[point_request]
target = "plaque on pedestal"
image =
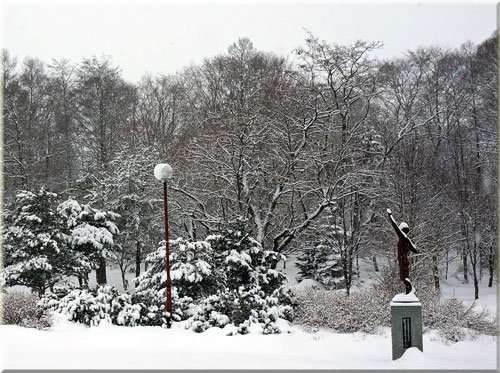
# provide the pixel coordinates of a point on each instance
(406, 324)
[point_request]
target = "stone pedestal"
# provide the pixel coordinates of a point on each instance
(406, 324)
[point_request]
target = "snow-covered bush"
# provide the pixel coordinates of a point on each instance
(191, 271)
(360, 311)
(86, 306)
(22, 308)
(192, 268)
(192, 279)
(368, 309)
(213, 311)
(124, 312)
(455, 321)
(242, 308)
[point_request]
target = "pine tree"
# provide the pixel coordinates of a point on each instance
(242, 261)
(321, 262)
(229, 263)
(191, 269)
(321, 258)
(91, 236)
(36, 253)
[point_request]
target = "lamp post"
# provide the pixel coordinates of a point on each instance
(162, 172)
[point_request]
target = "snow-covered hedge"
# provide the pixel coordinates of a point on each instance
(241, 308)
(455, 321)
(22, 308)
(369, 309)
(360, 311)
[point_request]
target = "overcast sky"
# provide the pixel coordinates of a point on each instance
(165, 36)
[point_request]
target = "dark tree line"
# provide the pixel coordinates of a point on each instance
(328, 138)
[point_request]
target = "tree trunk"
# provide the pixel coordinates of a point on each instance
(476, 282)
(137, 259)
(435, 272)
(476, 287)
(357, 264)
(491, 266)
(100, 273)
(466, 276)
(375, 264)
(447, 263)
(124, 280)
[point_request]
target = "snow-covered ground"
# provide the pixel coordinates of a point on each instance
(71, 346)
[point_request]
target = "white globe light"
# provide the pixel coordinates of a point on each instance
(163, 171)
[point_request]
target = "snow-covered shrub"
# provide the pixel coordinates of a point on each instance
(217, 281)
(123, 312)
(360, 311)
(286, 303)
(241, 308)
(85, 306)
(153, 307)
(368, 309)
(455, 321)
(192, 268)
(90, 306)
(192, 279)
(22, 308)
(213, 311)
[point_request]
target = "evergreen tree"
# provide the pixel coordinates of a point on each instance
(232, 262)
(321, 262)
(36, 253)
(91, 236)
(242, 261)
(191, 269)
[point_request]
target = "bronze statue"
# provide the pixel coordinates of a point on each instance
(404, 247)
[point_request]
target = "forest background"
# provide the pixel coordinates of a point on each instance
(308, 153)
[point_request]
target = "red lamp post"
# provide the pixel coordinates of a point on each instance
(162, 172)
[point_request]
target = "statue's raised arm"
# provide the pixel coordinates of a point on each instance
(394, 224)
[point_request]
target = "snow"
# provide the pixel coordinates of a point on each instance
(308, 283)
(119, 347)
(68, 345)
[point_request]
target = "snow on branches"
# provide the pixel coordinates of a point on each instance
(45, 244)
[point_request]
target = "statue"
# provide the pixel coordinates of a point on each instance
(405, 245)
